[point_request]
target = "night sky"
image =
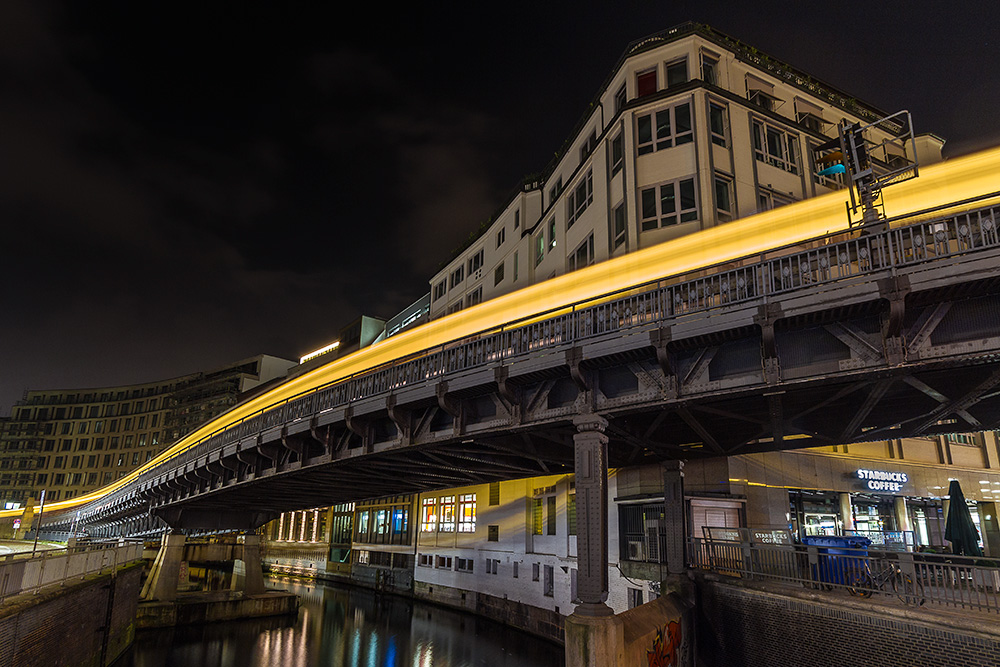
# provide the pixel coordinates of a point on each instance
(182, 187)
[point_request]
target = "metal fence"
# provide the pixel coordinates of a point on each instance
(24, 572)
(902, 577)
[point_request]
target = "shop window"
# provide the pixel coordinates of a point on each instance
(664, 129)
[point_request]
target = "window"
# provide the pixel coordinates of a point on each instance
(440, 289)
(588, 146)
(552, 233)
(498, 274)
(476, 262)
(645, 83)
(514, 278)
(534, 571)
(709, 69)
(618, 226)
(579, 200)
(831, 181)
(474, 297)
(514, 568)
(457, 276)
(536, 516)
(555, 190)
(464, 564)
(493, 533)
(548, 584)
(583, 255)
(634, 597)
(550, 516)
(492, 565)
(425, 560)
(428, 517)
(664, 128)
(467, 513)
(517, 218)
(494, 493)
(501, 236)
(768, 199)
(617, 153)
(539, 247)
(677, 73)
(571, 512)
(717, 124)
(810, 121)
(447, 523)
(668, 204)
(443, 562)
(775, 147)
(724, 198)
(621, 99)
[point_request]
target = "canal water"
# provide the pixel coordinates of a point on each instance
(343, 626)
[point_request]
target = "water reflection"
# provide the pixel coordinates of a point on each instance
(344, 627)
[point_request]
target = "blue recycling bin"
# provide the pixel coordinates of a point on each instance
(839, 556)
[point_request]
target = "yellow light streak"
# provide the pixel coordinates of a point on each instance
(939, 184)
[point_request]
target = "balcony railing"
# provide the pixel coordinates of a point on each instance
(20, 572)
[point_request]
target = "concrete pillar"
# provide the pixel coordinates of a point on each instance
(165, 573)
(989, 522)
(591, 463)
(248, 576)
(674, 517)
(846, 511)
(902, 515)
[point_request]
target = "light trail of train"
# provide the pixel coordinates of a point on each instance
(970, 177)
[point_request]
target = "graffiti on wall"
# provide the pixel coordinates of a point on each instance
(666, 646)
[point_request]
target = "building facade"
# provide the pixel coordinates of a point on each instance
(70, 442)
(691, 129)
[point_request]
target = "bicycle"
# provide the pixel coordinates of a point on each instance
(864, 583)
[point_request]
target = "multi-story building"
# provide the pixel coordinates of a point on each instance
(690, 130)
(69, 442)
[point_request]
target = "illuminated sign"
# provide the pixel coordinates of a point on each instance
(882, 480)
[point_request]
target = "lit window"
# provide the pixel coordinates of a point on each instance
(467, 513)
(664, 128)
(447, 523)
(552, 233)
(428, 521)
(668, 204)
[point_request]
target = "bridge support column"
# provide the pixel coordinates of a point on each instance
(165, 573)
(594, 635)
(248, 576)
(673, 517)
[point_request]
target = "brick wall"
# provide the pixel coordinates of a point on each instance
(65, 625)
(739, 626)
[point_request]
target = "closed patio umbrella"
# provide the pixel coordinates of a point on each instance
(959, 529)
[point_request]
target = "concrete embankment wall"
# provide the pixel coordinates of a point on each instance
(88, 622)
(742, 626)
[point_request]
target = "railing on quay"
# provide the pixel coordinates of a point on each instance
(905, 577)
(825, 260)
(29, 572)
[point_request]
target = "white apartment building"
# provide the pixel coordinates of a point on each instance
(692, 129)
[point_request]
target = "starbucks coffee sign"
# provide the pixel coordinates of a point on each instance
(882, 480)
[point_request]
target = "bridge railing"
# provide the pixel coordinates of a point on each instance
(824, 260)
(904, 577)
(26, 572)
